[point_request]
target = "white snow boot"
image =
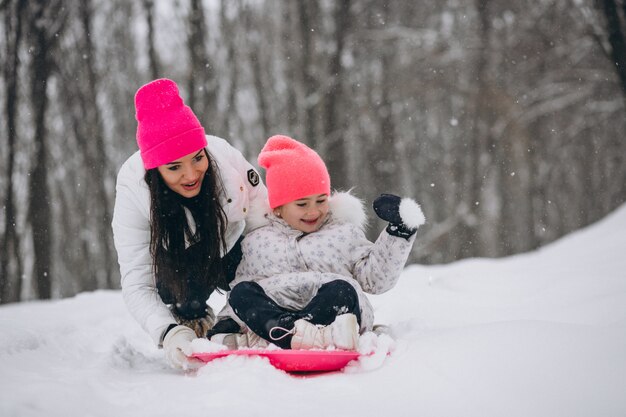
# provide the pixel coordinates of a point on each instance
(343, 333)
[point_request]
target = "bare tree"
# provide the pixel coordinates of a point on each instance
(291, 70)
(43, 40)
(155, 66)
(382, 152)
(229, 33)
(118, 49)
(202, 85)
(94, 146)
(616, 29)
(308, 13)
(477, 157)
(255, 55)
(336, 148)
(11, 284)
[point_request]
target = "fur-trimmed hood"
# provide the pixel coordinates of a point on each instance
(344, 208)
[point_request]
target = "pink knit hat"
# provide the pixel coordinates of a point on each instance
(293, 171)
(167, 129)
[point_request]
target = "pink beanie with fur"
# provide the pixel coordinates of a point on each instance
(167, 129)
(293, 170)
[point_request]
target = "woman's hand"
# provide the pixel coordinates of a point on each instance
(177, 347)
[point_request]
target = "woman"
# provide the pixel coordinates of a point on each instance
(180, 209)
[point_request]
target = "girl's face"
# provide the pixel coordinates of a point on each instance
(306, 214)
(184, 176)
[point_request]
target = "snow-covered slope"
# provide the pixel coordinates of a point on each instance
(538, 334)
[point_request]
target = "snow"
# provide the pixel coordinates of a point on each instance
(537, 334)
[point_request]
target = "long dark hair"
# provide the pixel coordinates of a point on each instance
(178, 273)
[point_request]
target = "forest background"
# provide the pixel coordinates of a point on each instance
(505, 120)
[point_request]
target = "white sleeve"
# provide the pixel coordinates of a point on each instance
(377, 266)
(131, 235)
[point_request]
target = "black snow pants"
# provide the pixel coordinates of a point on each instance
(260, 313)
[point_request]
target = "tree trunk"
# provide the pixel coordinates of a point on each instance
(336, 151)
(617, 40)
(475, 169)
(43, 41)
(153, 56)
(291, 71)
(39, 206)
(202, 86)
(383, 152)
(254, 39)
(308, 22)
(229, 33)
(94, 142)
(11, 284)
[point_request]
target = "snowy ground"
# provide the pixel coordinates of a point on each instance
(539, 334)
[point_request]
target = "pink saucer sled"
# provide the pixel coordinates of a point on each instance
(292, 360)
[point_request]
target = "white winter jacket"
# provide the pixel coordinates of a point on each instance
(291, 265)
(243, 193)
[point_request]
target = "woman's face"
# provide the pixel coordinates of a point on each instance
(306, 214)
(184, 176)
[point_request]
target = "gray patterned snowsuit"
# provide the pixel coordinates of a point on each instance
(291, 265)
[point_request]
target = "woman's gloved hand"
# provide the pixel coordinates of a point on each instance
(177, 347)
(403, 214)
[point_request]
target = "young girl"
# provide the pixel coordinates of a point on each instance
(307, 265)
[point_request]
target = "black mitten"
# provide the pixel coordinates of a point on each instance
(403, 214)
